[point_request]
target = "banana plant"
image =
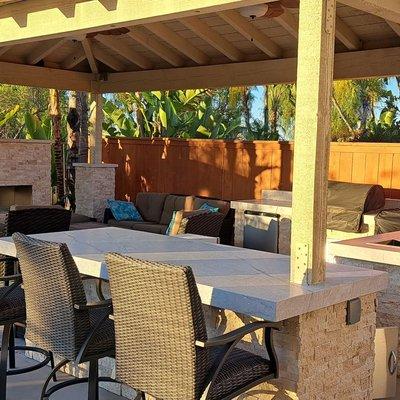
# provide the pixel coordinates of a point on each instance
(9, 115)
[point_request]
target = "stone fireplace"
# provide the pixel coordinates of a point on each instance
(25, 172)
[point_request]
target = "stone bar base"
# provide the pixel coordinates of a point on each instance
(388, 304)
(320, 357)
(95, 183)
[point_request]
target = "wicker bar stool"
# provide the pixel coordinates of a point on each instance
(12, 311)
(162, 347)
(58, 316)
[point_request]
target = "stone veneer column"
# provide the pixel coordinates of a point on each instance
(94, 184)
(320, 357)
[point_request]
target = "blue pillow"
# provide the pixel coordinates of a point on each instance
(209, 208)
(124, 211)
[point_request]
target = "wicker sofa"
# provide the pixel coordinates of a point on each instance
(157, 210)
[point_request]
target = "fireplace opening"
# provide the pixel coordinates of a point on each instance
(15, 195)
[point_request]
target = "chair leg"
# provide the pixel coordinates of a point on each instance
(50, 377)
(52, 365)
(93, 391)
(4, 360)
(11, 348)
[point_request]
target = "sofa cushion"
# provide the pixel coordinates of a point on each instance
(124, 210)
(122, 224)
(179, 220)
(150, 205)
(150, 227)
(175, 203)
(222, 205)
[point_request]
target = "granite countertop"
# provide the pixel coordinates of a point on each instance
(368, 248)
(247, 281)
(264, 205)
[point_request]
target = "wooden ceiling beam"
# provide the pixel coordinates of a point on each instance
(203, 30)
(34, 20)
(250, 32)
(165, 52)
(87, 45)
(289, 22)
(42, 77)
(3, 50)
(108, 59)
(347, 36)
(348, 65)
(386, 9)
(125, 51)
(178, 42)
(394, 26)
(43, 50)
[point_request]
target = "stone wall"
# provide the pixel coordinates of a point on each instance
(94, 184)
(320, 357)
(388, 304)
(27, 162)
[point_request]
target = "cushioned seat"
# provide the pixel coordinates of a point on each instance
(240, 369)
(150, 227)
(123, 224)
(150, 205)
(12, 307)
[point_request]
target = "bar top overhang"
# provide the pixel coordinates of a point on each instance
(246, 281)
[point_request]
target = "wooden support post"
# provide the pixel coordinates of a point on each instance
(312, 140)
(96, 135)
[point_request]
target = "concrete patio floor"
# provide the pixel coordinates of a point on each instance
(28, 386)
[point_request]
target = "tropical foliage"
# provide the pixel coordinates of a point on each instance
(363, 110)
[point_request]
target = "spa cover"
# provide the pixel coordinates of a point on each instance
(387, 221)
(347, 202)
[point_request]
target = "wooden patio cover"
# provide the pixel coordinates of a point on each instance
(105, 46)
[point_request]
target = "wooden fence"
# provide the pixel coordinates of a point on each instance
(238, 170)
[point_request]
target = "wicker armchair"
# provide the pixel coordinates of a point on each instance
(207, 224)
(12, 311)
(162, 347)
(32, 221)
(58, 316)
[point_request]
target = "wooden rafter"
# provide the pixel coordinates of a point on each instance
(3, 50)
(165, 52)
(88, 49)
(178, 42)
(250, 32)
(213, 38)
(386, 9)
(74, 58)
(108, 59)
(125, 51)
(47, 19)
(44, 49)
(347, 36)
(289, 22)
(394, 26)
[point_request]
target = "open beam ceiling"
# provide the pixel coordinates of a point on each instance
(45, 19)
(386, 9)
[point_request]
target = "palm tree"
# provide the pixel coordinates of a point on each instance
(54, 111)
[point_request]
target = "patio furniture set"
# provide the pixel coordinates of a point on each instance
(161, 310)
(166, 353)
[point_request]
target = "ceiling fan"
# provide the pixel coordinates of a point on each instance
(269, 10)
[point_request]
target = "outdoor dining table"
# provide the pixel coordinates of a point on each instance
(238, 285)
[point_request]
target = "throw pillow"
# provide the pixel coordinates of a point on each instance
(209, 208)
(124, 210)
(179, 220)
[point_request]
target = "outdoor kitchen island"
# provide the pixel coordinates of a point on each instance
(378, 253)
(320, 356)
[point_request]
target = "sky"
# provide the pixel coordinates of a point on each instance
(258, 91)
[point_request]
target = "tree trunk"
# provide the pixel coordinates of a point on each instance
(341, 114)
(74, 126)
(139, 116)
(58, 145)
(83, 112)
